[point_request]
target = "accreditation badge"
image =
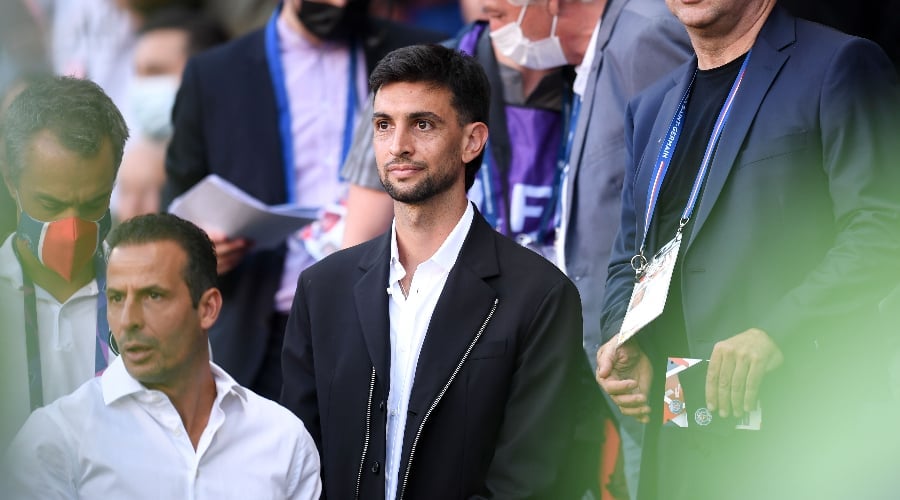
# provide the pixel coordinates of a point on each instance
(650, 291)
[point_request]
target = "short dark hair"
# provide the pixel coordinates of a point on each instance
(446, 68)
(199, 272)
(203, 32)
(77, 111)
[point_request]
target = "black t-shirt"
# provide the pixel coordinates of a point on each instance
(707, 97)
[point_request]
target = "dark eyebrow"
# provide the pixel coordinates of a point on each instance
(415, 115)
(140, 291)
(428, 115)
(45, 197)
(103, 197)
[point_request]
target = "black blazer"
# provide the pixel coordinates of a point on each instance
(226, 123)
(499, 380)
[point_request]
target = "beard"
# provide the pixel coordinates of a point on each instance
(433, 183)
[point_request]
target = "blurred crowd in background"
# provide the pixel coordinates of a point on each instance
(137, 49)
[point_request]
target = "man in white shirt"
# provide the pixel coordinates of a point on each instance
(163, 421)
(63, 145)
(441, 360)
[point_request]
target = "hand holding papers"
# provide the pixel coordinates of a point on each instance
(216, 204)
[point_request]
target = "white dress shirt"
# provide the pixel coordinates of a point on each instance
(67, 340)
(114, 438)
(409, 318)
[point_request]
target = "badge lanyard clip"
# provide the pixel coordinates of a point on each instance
(666, 152)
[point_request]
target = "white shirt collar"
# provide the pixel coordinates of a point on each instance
(583, 70)
(10, 268)
(117, 383)
(446, 254)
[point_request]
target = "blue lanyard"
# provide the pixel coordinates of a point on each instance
(550, 217)
(276, 73)
(667, 150)
(32, 339)
(573, 110)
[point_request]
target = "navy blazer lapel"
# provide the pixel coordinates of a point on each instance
(460, 311)
(766, 60)
(370, 295)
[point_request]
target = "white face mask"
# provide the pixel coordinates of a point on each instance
(541, 54)
(151, 101)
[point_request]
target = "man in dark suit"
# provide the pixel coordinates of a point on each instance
(441, 360)
(784, 130)
(271, 113)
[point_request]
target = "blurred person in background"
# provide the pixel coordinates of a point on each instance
(272, 113)
(442, 16)
(95, 39)
(165, 41)
(22, 58)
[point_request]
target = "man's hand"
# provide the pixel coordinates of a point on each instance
(624, 372)
(736, 371)
(229, 252)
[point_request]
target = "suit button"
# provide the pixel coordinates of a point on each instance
(376, 467)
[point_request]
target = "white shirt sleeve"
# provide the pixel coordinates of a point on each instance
(41, 461)
(304, 480)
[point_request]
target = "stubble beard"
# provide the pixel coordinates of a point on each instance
(431, 185)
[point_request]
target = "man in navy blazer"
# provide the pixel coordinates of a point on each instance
(231, 120)
(783, 261)
(442, 359)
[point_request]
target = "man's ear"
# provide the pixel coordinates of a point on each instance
(209, 307)
(476, 135)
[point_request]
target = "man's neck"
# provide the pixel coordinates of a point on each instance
(289, 16)
(716, 46)
(193, 400)
(55, 284)
(422, 229)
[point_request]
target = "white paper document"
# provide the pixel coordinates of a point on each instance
(215, 203)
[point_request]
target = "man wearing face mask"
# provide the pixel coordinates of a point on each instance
(273, 112)
(64, 140)
(166, 40)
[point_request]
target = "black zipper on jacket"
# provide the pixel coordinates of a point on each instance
(412, 450)
(365, 450)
